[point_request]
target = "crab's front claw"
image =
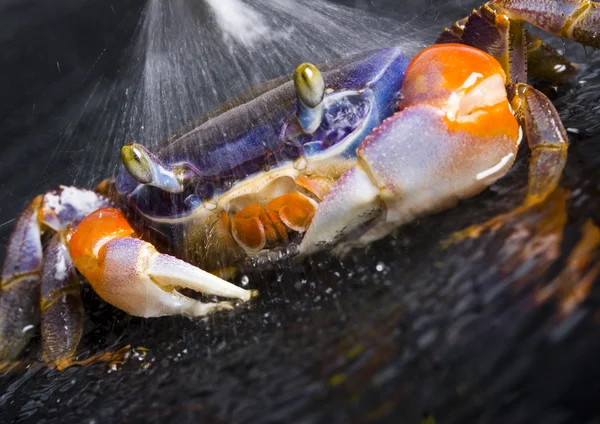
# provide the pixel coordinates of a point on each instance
(131, 275)
(455, 135)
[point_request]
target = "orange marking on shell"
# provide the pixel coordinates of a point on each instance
(295, 210)
(88, 239)
(319, 186)
(247, 228)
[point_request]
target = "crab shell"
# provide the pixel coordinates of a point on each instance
(252, 150)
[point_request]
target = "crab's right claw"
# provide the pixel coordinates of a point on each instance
(454, 135)
(131, 275)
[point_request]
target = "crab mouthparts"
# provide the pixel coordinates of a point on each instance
(270, 216)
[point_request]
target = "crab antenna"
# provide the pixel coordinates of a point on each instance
(310, 90)
(146, 168)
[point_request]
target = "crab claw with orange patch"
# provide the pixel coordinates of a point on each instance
(454, 135)
(130, 274)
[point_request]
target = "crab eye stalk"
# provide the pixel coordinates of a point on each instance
(146, 168)
(310, 90)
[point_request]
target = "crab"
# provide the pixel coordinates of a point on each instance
(332, 158)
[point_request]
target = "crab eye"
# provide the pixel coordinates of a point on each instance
(309, 83)
(146, 168)
(137, 163)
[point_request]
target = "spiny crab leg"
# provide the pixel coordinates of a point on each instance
(36, 279)
(130, 274)
(573, 19)
(310, 91)
(60, 303)
(19, 289)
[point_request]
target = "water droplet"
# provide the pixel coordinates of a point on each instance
(380, 266)
(277, 255)
(251, 261)
(139, 353)
(192, 201)
(266, 166)
(300, 163)
(205, 189)
(293, 249)
(228, 183)
(262, 261)
(245, 280)
(27, 328)
(210, 205)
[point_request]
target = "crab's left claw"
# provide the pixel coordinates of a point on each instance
(130, 274)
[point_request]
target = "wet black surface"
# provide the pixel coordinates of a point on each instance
(390, 333)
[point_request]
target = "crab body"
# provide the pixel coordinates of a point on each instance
(255, 151)
(331, 158)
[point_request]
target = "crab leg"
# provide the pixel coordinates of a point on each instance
(578, 20)
(19, 289)
(547, 139)
(130, 274)
(30, 271)
(544, 62)
(520, 53)
(61, 306)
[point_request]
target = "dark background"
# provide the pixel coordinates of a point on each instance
(398, 330)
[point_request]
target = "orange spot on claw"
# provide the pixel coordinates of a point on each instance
(87, 240)
(457, 79)
(438, 70)
(497, 121)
